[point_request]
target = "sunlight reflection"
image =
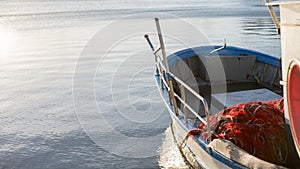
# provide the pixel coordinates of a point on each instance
(7, 40)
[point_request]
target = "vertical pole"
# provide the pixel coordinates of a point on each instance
(162, 46)
(274, 17)
(149, 42)
(152, 48)
(182, 91)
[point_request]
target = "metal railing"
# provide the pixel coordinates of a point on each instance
(166, 78)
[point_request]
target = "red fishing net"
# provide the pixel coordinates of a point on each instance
(256, 127)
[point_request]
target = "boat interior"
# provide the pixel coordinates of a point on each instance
(226, 80)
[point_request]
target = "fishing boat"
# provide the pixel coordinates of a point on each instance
(209, 88)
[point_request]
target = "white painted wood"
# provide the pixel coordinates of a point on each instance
(233, 98)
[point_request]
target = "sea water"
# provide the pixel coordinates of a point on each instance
(77, 87)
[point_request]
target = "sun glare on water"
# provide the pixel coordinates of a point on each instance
(7, 41)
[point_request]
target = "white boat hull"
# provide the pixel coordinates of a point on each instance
(193, 152)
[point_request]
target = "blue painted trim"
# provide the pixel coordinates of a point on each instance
(229, 50)
(169, 76)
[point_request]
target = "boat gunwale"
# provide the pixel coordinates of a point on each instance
(229, 50)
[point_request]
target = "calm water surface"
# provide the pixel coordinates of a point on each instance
(68, 102)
